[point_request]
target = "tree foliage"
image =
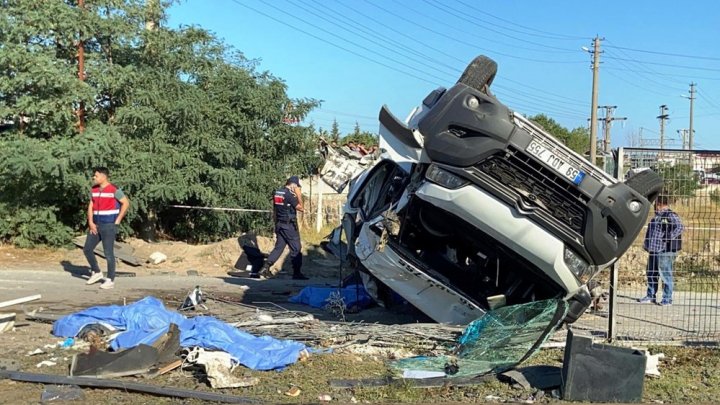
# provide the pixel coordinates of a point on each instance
(679, 180)
(177, 116)
(359, 136)
(577, 139)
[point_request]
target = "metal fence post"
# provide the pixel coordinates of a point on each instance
(612, 310)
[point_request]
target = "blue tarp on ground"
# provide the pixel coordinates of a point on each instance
(146, 320)
(317, 297)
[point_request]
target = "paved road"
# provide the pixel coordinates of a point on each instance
(694, 316)
(65, 291)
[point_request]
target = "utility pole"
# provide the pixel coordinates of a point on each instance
(692, 99)
(81, 73)
(607, 121)
(662, 117)
(593, 108)
(684, 136)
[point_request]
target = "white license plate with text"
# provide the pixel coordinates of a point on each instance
(557, 163)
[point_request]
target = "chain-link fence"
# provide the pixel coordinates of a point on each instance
(692, 186)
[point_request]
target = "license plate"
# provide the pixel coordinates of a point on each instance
(557, 163)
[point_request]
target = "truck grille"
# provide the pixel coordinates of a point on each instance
(539, 186)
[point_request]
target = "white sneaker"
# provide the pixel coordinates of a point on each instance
(94, 278)
(108, 284)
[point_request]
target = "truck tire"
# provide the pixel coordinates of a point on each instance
(648, 183)
(479, 74)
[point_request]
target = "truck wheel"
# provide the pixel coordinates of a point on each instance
(479, 74)
(648, 183)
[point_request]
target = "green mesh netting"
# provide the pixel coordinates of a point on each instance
(497, 341)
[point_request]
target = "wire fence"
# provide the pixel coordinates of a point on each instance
(692, 185)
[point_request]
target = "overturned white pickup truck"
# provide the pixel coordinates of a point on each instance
(472, 207)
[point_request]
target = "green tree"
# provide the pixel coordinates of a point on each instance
(679, 180)
(335, 132)
(360, 136)
(178, 117)
(577, 139)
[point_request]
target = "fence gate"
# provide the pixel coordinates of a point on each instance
(692, 184)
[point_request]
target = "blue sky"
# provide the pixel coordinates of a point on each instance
(357, 55)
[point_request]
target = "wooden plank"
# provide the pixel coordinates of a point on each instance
(125, 386)
(17, 301)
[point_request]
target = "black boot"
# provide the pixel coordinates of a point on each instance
(265, 270)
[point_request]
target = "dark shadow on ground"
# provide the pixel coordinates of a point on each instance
(76, 271)
(277, 292)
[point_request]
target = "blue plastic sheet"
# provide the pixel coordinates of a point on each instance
(317, 297)
(146, 320)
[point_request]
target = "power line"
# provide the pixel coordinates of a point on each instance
(680, 55)
(472, 45)
(399, 32)
(546, 93)
(668, 74)
(345, 114)
(436, 61)
(461, 15)
(332, 34)
(333, 44)
(379, 44)
(645, 72)
(707, 99)
(541, 99)
(634, 84)
(558, 36)
(668, 64)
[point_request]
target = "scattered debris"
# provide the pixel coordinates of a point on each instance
(653, 361)
(416, 383)
(324, 398)
(218, 368)
(47, 363)
(148, 319)
(35, 352)
(534, 377)
(7, 321)
(62, 393)
(194, 299)
(492, 398)
(221, 377)
(621, 370)
(141, 359)
(17, 301)
(37, 315)
(157, 258)
(166, 369)
(293, 392)
(421, 374)
(123, 385)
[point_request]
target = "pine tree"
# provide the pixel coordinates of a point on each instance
(177, 116)
(335, 131)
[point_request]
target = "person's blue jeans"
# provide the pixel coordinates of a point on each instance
(660, 266)
(106, 234)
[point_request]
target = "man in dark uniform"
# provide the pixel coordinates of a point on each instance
(287, 201)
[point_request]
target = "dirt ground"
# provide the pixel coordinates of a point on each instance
(688, 374)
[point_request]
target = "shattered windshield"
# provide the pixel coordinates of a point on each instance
(495, 342)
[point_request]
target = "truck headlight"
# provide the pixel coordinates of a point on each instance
(579, 266)
(444, 178)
